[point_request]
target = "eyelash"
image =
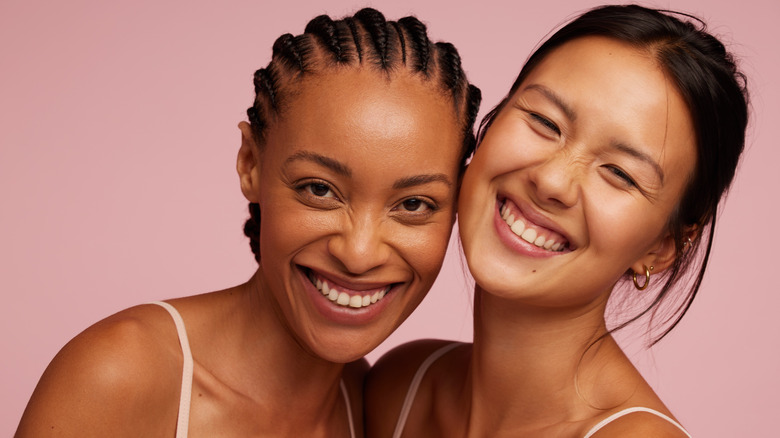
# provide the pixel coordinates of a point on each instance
(306, 189)
(546, 123)
(618, 172)
(431, 206)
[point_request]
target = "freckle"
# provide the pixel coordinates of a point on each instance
(200, 394)
(534, 271)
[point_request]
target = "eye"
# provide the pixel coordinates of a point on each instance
(415, 205)
(317, 193)
(319, 189)
(620, 174)
(546, 123)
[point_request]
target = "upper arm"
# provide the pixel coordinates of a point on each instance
(388, 382)
(113, 379)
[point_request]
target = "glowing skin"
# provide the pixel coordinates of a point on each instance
(592, 153)
(356, 183)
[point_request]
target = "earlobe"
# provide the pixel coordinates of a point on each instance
(247, 163)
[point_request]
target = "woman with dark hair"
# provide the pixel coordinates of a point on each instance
(603, 167)
(351, 161)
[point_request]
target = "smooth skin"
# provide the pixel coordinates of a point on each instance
(356, 181)
(593, 151)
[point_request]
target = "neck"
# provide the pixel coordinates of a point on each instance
(535, 366)
(272, 368)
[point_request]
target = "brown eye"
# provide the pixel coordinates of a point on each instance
(319, 189)
(413, 204)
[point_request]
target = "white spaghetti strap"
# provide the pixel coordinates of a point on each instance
(183, 421)
(627, 411)
(349, 408)
(418, 376)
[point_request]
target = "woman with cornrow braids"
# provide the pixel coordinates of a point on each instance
(351, 160)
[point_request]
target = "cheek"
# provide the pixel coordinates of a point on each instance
(423, 249)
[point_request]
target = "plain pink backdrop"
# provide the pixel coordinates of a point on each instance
(117, 185)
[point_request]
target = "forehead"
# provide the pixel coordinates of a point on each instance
(359, 109)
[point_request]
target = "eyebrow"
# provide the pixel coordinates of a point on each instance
(330, 163)
(418, 180)
(636, 153)
(343, 170)
(555, 99)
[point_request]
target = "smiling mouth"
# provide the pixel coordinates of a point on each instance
(344, 296)
(530, 232)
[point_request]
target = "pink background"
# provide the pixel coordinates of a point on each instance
(117, 146)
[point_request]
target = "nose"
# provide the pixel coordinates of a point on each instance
(555, 180)
(360, 246)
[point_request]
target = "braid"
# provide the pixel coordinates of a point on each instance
(375, 24)
(291, 52)
(418, 41)
(344, 42)
(325, 29)
(353, 30)
(401, 41)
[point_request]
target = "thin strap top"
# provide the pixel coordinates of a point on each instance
(182, 424)
(627, 411)
(418, 376)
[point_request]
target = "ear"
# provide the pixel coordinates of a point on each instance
(248, 163)
(665, 253)
(660, 257)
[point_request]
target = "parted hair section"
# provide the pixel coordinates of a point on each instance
(364, 40)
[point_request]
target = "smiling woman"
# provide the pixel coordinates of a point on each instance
(351, 158)
(604, 165)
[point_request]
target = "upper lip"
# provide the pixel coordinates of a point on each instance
(357, 286)
(537, 218)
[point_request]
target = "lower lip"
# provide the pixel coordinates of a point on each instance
(344, 315)
(515, 242)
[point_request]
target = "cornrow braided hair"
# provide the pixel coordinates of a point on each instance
(364, 39)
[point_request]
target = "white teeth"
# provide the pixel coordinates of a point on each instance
(518, 227)
(529, 235)
(356, 301)
(343, 298)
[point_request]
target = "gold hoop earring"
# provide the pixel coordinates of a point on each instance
(647, 278)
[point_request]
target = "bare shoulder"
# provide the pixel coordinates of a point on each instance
(119, 376)
(640, 424)
(388, 382)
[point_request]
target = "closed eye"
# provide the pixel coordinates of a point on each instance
(620, 174)
(546, 123)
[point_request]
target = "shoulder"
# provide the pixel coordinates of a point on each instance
(388, 382)
(640, 423)
(118, 373)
